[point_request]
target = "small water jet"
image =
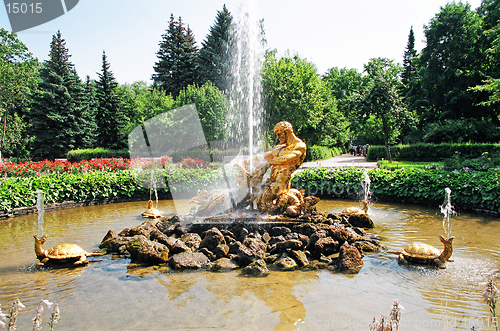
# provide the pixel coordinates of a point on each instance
(447, 210)
(40, 209)
(366, 186)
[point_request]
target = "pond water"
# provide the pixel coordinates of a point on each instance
(110, 294)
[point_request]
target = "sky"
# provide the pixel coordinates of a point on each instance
(328, 33)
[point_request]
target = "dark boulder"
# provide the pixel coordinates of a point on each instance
(327, 246)
(361, 221)
(192, 240)
(224, 264)
(212, 238)
(144, 250)
(349, 259)
(256, 268)
(286, 263)
(189, 260)
(279, 231)
(299, 257)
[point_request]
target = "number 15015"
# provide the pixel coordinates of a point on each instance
(23, 8)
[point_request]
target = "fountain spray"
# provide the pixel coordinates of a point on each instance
(246, 54)
(40, 209)
(447, 210)
(366, 186)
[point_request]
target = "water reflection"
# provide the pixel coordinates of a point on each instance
(114, 294)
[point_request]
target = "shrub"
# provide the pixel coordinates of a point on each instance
(189, 163)
(431, 152)
(315, 153)
(99, 152)
(470, 190)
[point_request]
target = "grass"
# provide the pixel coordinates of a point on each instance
(407, 165)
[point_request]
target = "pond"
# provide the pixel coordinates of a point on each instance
(112, 294)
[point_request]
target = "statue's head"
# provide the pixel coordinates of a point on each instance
(282, 129)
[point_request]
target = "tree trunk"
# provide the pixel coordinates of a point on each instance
(388, 149)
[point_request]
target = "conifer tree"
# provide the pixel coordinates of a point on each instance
(408, 62)
(212, 60)
(89, 113)
(176, 67)
(56, 114)
(110, 117)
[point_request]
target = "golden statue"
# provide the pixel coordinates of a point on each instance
(284, 159)
(274, 194)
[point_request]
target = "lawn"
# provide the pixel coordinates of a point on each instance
(408, 165)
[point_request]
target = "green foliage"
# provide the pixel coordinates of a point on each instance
(58, 115)
(212, 107)
(176, 66)
(432, 152)
(315, 153)
(408, 60)
(141, 102)
(294, 92)
(341, 183)
(451, 62)
(18, 79)
(460, 131)
(470, 190)
(381, 101)
(18, 192)
(110, 117)
(485, 162)
(386, 165)
(96, 153)
(212, 60)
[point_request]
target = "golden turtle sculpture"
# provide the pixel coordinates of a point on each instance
(151, 212)
(61, 254)
(420, 253)
(356, 210)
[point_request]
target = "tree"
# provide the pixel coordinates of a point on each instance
(381, 102)
(212, 106)
(213, 62)
(176, 67)
(18, 79)
(450, 63)
(408, 63)
(110, 116)
(57, 115)
(344, 85)
(490, 13)
(89, 113)
(142, 102)
(294, 92)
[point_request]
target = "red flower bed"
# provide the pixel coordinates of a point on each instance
(189, 163)
(28, 168)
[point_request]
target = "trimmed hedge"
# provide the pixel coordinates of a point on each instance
(431, 152)
(18, 192)
(78, 155)
(316, 153)
(478, 191)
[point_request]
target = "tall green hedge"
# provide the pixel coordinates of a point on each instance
(315, 153)
(431, 152)
(78, 155)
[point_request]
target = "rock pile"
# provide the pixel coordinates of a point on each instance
(321, 241)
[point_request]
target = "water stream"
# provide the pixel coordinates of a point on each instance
(112, 294)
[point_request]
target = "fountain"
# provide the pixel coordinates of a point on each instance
(447, 210)
(246, 54)
(40, 209)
